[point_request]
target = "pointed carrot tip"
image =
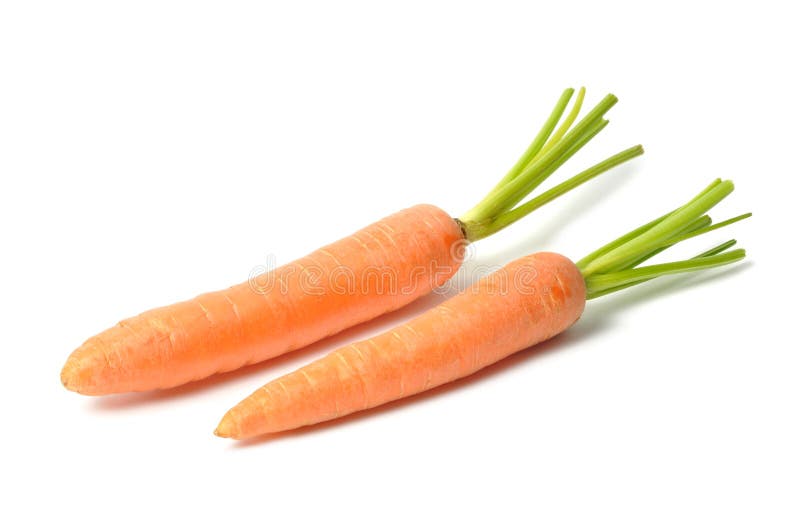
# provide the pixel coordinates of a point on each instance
(76, 378)
(225, 429)
(67, 378)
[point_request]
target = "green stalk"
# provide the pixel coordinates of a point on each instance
(711, 252)
(477, 232)
(716, 250)
(579, 143)
(512, 193)
(553, 146)
(538, 142)
(698, 224)
(573, 114)
(702, 230)
(657, 235)
(508, 195)
(613, 267)
(605, 281)
(614, 244)
(515, 192)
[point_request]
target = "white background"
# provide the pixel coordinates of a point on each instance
(150, 151)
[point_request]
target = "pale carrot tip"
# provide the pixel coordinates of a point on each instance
(67, 379)
(73, 377)
(224, 429)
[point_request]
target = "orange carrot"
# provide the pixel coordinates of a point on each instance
(378, 269)
(455, 339)
(526, 302)
(275, 312)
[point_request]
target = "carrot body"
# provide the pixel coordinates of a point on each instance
(526, 302)
(378, 269)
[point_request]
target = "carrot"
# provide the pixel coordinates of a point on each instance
(221, 331)
(526, 302)
(378, 269)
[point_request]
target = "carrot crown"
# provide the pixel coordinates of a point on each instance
(614, 266)
(549, 150)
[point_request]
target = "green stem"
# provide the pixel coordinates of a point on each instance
(700, 223)
(614, 244)
(584, 139)
(716, 250)
(508, 195)
(512, 193)
(613, 267)
(477, 232)
(605, 281)
(573, 114)
(711, 252)
(702, 230)
(581, 264)
(657, 235)
(538, 142)
(533, 149)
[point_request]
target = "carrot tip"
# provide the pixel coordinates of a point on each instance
(224, 429)
(67, 379)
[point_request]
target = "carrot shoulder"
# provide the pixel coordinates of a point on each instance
(524, 303)
(380, 268)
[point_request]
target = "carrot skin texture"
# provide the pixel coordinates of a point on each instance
(333, 288)
(524, 303)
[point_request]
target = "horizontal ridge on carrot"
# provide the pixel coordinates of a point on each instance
(517, 306)
(335, 287)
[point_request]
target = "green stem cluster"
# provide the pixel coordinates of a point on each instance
(613, 267)
(550, 149)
